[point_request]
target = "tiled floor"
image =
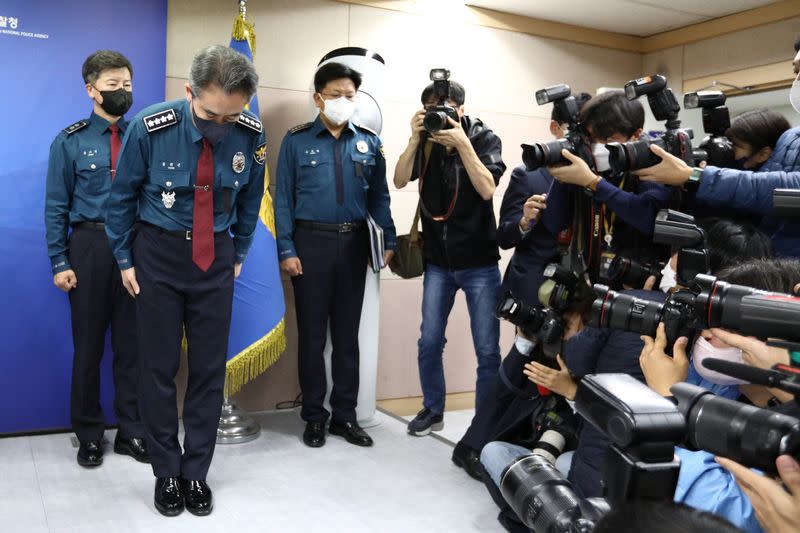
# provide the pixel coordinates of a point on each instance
(272, 484)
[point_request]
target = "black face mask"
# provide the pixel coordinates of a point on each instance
(116, 103)
(211, 130)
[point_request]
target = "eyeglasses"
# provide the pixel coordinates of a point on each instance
(351, 97)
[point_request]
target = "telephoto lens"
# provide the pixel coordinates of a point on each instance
(544, 500)
(526, 317)
(547, 154)
(744, 433)
(625, 271)
(633, 155)
(623, 311)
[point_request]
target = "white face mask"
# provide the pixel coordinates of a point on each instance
(668, 280)
(794, 95)
(524, 346)
(339, 110)
(600, 154)
(703, 350)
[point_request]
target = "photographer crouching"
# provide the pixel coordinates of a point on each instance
(457, 162)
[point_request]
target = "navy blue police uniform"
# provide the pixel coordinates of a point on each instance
(155, 184)
(78, 183)
(326, 187)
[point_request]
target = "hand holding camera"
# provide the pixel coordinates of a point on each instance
(532, 210)
(670, 170)
(660, 370)
(453, 137)
(417, 127)
(778, 510)
(576, 173)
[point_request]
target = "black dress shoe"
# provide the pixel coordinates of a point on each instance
(469, 460)
(314, 435)
(197, 496)
(90, 454)
(168, 497)
(352, 432)
(135, 447)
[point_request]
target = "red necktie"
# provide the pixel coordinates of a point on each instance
(203, 216)
(116, 145)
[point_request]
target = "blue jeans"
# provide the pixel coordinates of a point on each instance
(482, 288)
(497, 456)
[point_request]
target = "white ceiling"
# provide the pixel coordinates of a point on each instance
(633, 17)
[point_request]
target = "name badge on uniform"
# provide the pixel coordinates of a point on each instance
(238, 162)
(362, 147)
(168, 198)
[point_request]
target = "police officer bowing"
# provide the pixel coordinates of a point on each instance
(82, 165)
(194, 170)
(331, 175)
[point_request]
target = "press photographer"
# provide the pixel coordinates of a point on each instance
(745, 190)
(458, 164)
(618, 218)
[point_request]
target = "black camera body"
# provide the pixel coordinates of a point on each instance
(715, 149)
(680, 231)
(537, 155)
(635, 155)
(786, 203)
(436, 117)
(626, 271)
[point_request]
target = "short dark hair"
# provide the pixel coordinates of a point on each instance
(580, 99)
(758, 128)
(776, 275)
(101, 61)
(661, 517)
(612, 112)
(733, 241)
(335, 71)
(457, 93)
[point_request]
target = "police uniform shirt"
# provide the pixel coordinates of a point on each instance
(324, 179)
(157, 171)
(78, 182)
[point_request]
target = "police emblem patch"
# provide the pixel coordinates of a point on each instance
(168, 198)
(362, 147)
(238, 162)
(260, 155)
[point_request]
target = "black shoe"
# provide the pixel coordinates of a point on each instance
(90, 454)
(135, 447)
(469, 460)
(168, 497)
(197, 496)
(425, 422)
(352, 432)
(314, 435)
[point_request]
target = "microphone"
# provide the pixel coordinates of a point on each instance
(751, 374)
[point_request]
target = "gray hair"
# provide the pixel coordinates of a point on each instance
(224, 67)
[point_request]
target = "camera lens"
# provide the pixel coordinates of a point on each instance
(544, 500)
(434, 121)
(527, 318)
(749, 435)
(621, 311)
(547, 154)
(634, 155)
(628, 272)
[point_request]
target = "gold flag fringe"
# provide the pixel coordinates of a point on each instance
(243, 29)
(266, 212)
(255, 359)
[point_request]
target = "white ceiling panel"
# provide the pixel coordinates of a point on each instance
(632, 17)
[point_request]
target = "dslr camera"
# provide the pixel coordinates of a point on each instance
(715, 149)
(644, 428)
(635, 155)
(563, 290)
(436, 117)
(537, 155)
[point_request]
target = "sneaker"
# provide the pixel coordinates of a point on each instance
(425, 421)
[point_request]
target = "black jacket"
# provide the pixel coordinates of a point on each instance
(468, 238)
(534, 251)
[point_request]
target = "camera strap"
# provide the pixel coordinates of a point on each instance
(426, 157)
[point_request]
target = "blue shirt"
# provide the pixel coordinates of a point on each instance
(78, 181)
(157, 172)
(324, 179)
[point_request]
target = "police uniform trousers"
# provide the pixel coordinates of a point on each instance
(100, 300)
(176, 297)
(331, 288)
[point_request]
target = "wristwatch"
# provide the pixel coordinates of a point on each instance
(694, 179)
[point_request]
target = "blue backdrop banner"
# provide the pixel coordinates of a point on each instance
(42, 47)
